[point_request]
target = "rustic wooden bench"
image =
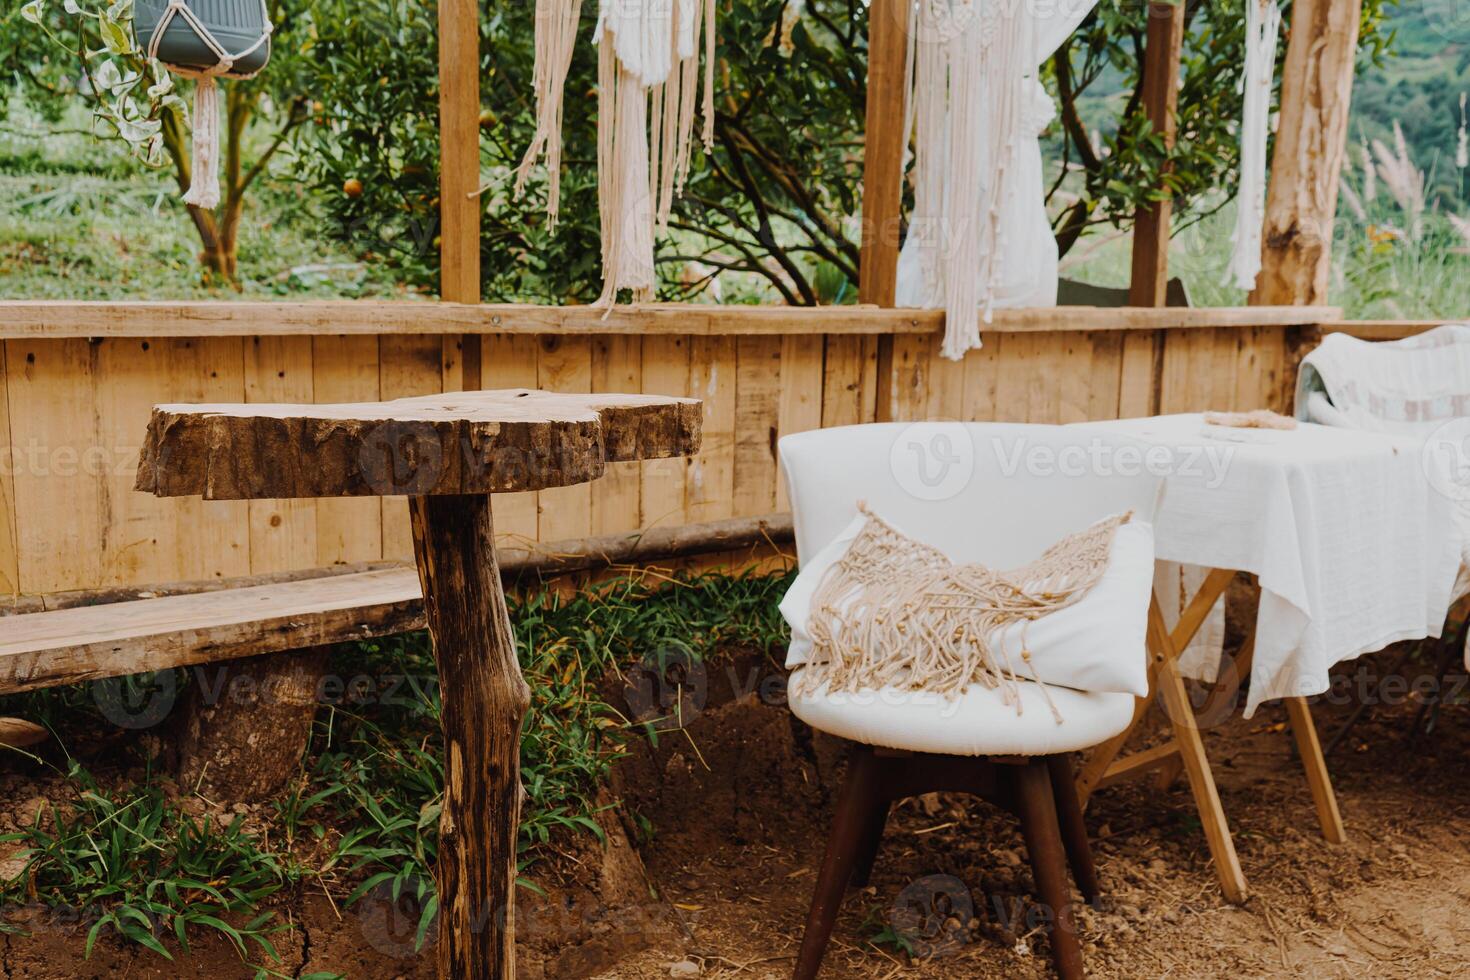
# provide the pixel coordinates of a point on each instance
(274, 629)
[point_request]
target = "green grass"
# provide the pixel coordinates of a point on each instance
(364, 813)
(80, 219)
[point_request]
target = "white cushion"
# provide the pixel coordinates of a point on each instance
(1095, 644)
(977, 723)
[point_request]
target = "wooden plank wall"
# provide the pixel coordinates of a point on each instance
(74, 412)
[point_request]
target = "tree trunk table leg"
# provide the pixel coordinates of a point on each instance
(484, 699)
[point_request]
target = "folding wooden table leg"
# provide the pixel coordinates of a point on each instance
(1315, 764)
(1196, 764)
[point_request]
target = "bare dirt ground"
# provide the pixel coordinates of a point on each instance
(739, 809)
(1390, 902)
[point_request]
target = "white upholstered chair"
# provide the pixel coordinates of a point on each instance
(992, 493)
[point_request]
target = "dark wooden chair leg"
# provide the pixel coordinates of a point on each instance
(1074, 830)
(1037, 809)
(862, 868)
(851, 827)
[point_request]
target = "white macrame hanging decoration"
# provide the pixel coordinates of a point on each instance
(1262, 25)
(648, 85)
(979, 237)
(207, 63)
(972, 67)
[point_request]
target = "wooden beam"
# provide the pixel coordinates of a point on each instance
(883, 143)
(459, 172)
(883, 147)
(1138, 763)
(1162, 45)
(1316, 92)
(45, 319)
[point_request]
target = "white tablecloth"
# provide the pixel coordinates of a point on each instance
(1353, 547)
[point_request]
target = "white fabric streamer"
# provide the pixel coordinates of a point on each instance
(1262, 25)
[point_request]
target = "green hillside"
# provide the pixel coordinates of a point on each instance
(1421, 86)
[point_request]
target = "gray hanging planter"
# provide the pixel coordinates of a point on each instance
(228, 38)
(206, 39)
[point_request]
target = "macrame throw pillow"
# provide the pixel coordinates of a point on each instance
(877, 609)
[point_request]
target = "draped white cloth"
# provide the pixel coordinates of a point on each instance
(1262, 24)
(979, 237)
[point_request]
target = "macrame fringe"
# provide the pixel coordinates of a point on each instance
(648, 83)
(969, 64)
(648, 70)
(896, 613)
(204, 185)
(556, 35)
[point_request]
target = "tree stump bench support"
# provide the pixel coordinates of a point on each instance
(448, 453)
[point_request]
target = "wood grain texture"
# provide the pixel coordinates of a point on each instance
(70, 646)
(512, 361)
(709, 490)
(758, 385)
(459, 150)
(1163, 42)
(282, 532)
(62, 529)
(800, 396)
(565, 365)
(243, 728)
(345, 369)
(9, 545)
(408, 365)
(662, 481)
(484, 700)
(1311, 134)
(83, 319)
(883, 148)
(617, 366)
(470, 442)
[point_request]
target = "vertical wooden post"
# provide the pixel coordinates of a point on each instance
(883, 145)
(459, 168)
(1316, 91)
(1162, 45)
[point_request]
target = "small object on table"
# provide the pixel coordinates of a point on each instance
(1260, 418)
(448, 454)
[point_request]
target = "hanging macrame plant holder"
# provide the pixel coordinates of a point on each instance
(205, 40)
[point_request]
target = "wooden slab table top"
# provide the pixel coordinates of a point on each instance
(448, 453)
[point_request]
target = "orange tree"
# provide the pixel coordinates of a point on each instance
(777, 199)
